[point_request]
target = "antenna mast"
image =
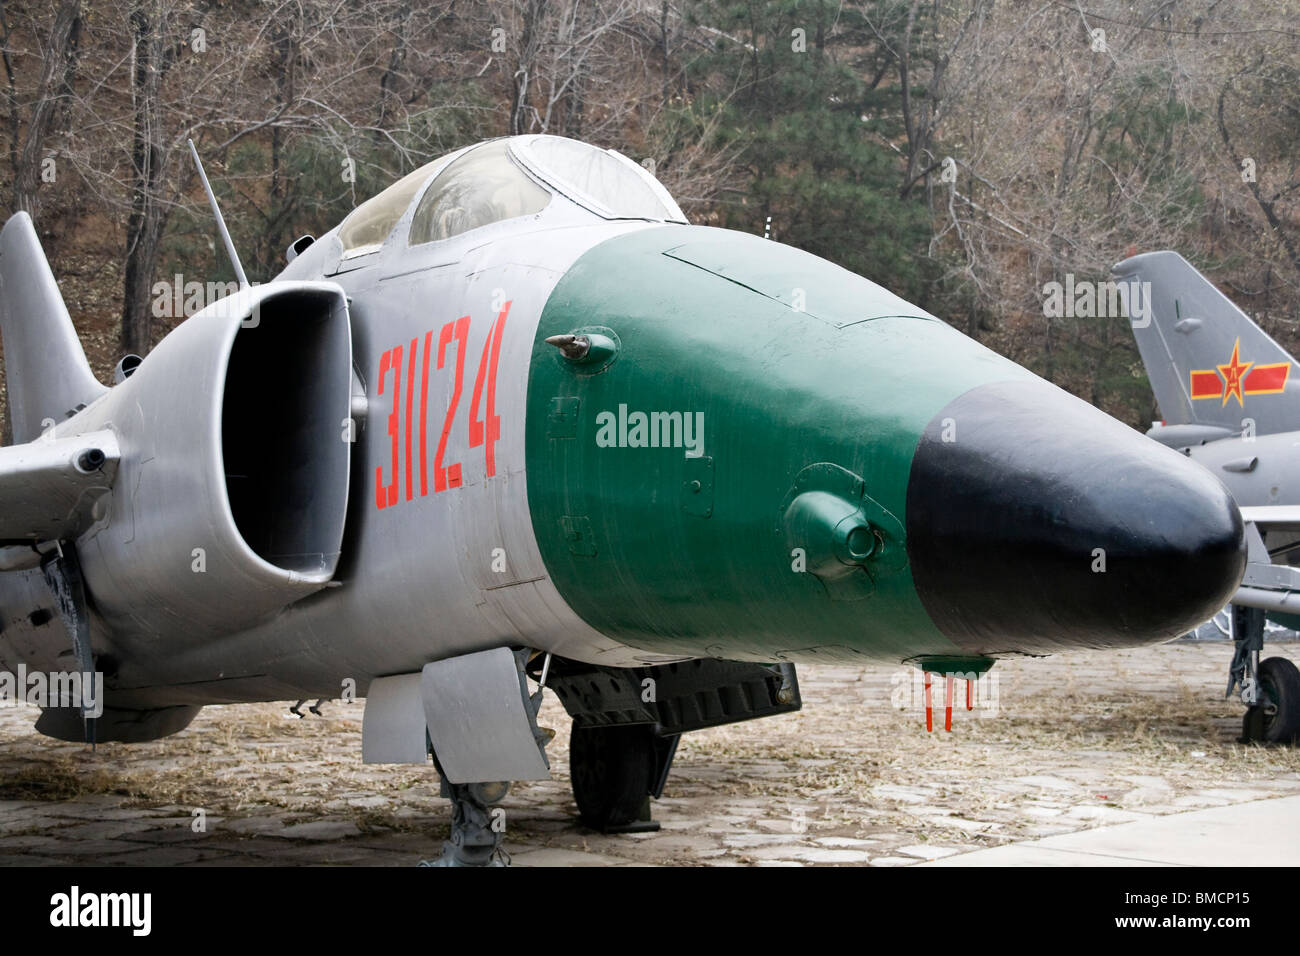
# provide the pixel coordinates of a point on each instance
(221, 222)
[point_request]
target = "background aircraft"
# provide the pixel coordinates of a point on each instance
(514, 420)
(1230, 397)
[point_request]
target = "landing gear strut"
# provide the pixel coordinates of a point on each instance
(481, 725)
(1270, 689)
(475, 833)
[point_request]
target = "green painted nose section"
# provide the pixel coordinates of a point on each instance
(720, 438)
(724, 472)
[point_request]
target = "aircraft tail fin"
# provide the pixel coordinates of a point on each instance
(46, 372)
(1208, 363)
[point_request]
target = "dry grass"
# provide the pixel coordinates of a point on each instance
(1079, 740)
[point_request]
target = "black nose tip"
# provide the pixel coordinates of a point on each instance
(1036, 522)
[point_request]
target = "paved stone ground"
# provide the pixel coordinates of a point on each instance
(1077, 741)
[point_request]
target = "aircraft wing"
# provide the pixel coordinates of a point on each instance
(48, 487)
(1273, 517)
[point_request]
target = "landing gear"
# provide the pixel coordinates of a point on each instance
(615, 771)
(627, 722)
(1275, 718)
(1270, 689)
(476, 833)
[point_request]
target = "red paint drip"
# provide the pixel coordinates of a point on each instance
(929, 722)
(947, 702)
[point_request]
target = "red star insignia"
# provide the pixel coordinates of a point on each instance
(1233, 373)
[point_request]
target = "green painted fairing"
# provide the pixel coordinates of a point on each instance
(690, 555)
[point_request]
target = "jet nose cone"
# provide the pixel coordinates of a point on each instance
(1036, 522)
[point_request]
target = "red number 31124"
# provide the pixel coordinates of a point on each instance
(483, 431)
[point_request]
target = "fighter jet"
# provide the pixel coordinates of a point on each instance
(515, 425)
(1230, 397)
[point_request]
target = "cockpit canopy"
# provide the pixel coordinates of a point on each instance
(507, 179)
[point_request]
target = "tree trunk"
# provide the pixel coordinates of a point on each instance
(148, 217)
(56, 79)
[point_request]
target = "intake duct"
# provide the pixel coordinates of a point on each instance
(232, 490)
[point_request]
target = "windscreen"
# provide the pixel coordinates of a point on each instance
(604, 181)
(481, 187)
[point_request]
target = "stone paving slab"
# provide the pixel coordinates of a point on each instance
(1079, 747)
(1259, 833)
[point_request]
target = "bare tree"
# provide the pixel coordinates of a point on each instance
(27, 143)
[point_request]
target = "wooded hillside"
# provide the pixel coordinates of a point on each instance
(962, 153)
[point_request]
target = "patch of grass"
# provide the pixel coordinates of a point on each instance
(41, 781)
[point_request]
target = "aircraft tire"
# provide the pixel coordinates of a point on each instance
(611, 770)
(1279, 682)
